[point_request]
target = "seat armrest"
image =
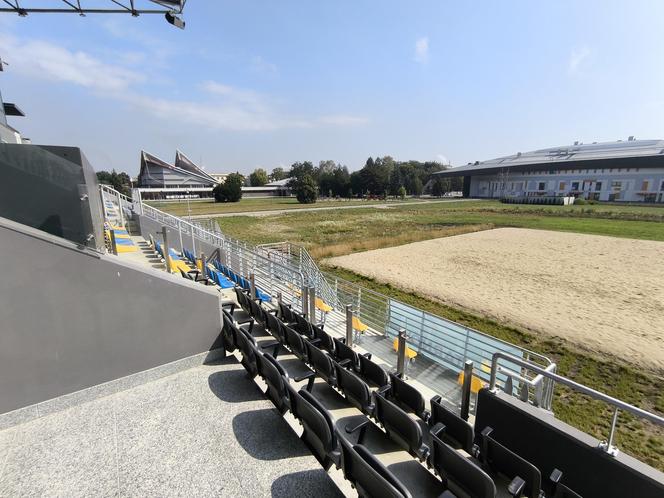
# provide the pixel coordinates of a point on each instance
(354, 427)
(314, 341)
(426, 415)
(515, 488)
(367, 355)
(345, 362)
(555, 476)
(274, 312)
(305, 376)
(270, 345)
(246, 320)
(437, 430)
(384, 390)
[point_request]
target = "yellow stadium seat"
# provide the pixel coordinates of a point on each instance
(322, 305)
(410, 354)
(475, 382)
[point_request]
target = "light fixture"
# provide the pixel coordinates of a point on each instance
(173, 19)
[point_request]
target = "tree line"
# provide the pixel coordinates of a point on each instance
(380, 177)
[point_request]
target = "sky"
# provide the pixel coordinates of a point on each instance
(263, 84)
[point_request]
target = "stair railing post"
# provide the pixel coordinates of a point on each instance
(401, 353)
(465, 389)
(349, 325)
(167, 255)
(312, 304)
(252, 285)
(305, 299)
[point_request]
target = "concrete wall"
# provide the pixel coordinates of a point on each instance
(72, 318)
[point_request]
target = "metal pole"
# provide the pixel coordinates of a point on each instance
(167, 255)
(609, 448)
(465, 389)
(203, 265)
(122, 223)
(312, 304)
(114, 247)
(401, 352)
(349, 325)
(180, 232)
(252, 285)
(279, 298)
(103, 204)
(193, 241)
(305, 299)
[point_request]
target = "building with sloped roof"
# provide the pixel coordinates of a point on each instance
(183, 179)
(631, 171)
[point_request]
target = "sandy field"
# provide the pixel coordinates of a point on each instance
(603, 293)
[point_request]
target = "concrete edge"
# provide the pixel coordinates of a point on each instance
(54, 405)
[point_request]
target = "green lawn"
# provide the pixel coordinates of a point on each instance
(180, 208)
(336, 232)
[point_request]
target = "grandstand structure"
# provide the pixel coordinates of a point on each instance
(622, 171)
(140, 316)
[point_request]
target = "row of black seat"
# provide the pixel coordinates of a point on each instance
(283, 347)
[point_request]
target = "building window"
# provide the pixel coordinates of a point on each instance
(562, 186)
(575, 186)
(661, 187)
(541, 186)
(598, 186)
(616, 185)
(645, 185)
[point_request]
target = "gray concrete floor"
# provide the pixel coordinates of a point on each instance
(206, 431)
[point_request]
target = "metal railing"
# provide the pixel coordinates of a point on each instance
(618, 405)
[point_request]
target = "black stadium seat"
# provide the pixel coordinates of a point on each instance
(322, 364)
(344, 355)
(369, 476)
(372, 372)
(247, 346)
(276, 379)
(452, 466)
(407, 397)
(401, 427)
(295, 343)
(526, 478)
(319, 433)
(325, 341)
(355, 390)
(458, 432)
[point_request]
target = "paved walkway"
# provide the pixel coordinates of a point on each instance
(205, 431)
(386, 205)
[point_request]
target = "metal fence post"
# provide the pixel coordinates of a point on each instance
(167, 255)
(180, 232)
(193, 241)
(203, 265)
(122, 222)
(305, 299)
(465, 389)
(349, 325)
(252, 285)
(114, 247)
(312, 304)
(401, 352)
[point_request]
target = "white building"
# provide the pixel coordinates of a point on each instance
(631, 171)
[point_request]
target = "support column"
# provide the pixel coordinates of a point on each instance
(167, 256)
(401, 353)
(349, 325)
(465, 389)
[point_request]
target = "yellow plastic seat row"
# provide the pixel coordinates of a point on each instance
(410, 353)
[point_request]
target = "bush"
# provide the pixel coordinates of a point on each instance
(579, 201)
(230, 190)
(402, 192)
(306, 190)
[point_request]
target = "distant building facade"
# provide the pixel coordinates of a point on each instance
(629, 171)
(183, 179)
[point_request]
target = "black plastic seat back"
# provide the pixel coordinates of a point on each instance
(257, 311)
(326, 341)
(355, 390)
(407, 396)
(370, 477)
(242, 299)
(458, 432)
(276, 379)
(247, 347)
(319, 434)
(303, 326)
(229, 333)
(286, 314)
(323, 364)
(503, 460)
(295, 343)
(451, 465)
(373, 372)
(276, 327)
(400, 427)
(343, 352)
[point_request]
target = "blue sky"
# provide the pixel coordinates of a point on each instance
(263, 83)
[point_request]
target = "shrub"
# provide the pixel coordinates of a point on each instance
(230, 190)
(580, 201)
(305, 189)
(402, 192)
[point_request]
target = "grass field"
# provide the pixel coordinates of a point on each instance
(332, 233)
(210, 207)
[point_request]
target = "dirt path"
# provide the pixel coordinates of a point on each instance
(604, 294)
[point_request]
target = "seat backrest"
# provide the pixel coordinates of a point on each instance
(319, 433)
(373, 372)
(229, 333)
(276, 379)
(285, 313)
(326, 341)
(370, 477)
(355, 390)
(406, 396)
(275, 326)
(247, 346)
(457, 431)
(400, 427)
(322, 363)
(296, 343)
(344, 352)
(257, 311)
(303, 325)
(501, 459)
(453, 466)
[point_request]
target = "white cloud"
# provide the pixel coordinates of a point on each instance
(220, 106)
(260, 65)
(47, 61)
(577, 56)
(422, 50)
(441, 158)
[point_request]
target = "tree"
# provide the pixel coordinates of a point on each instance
(401, 193)
(303, 182)
(356, 184)
(375, 176)
(230, 190)
(258, 178)
(417, 186)
(439, 186)
(277, 174)
(119, 181)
